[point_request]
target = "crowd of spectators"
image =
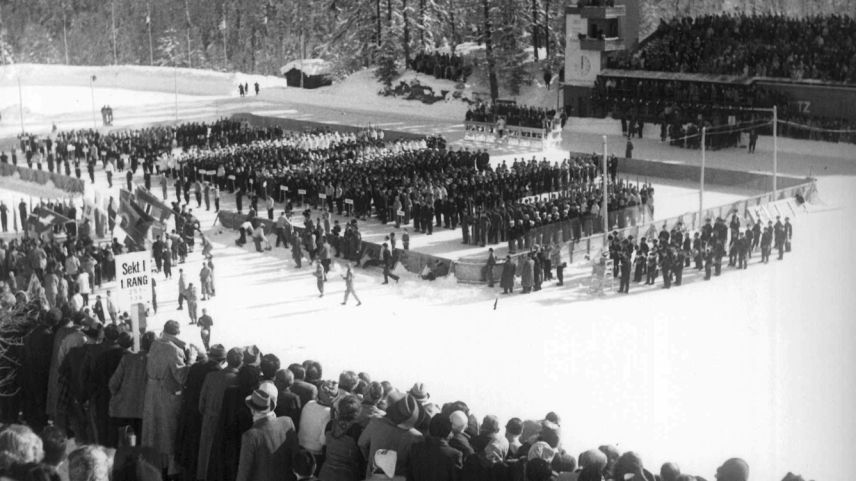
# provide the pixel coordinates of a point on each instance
(682, 108)
(441, 66)
(819, 47)
(174, 411)
(515, 115)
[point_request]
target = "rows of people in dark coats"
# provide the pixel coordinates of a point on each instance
(665, 254)
(240, 414)
(513, 114)
(125, 148)
(816, 47)
(441, 66)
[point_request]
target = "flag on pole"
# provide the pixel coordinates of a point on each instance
(153, 206)
(148, 18)
(43, 219)
(133, 219)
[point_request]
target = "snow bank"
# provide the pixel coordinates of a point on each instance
(132, 77)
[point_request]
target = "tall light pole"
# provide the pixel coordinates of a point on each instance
(20, 102)
(113, 28)
(175, 88)
(604, 208)
(149, 26)
(92, 93)
(223, 31)
(701, 181)
(775, 151)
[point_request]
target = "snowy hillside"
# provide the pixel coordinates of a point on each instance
(132, 77)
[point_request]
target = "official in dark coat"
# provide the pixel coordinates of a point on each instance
(235, 419)
(268, 446)
(433, 459)
(507, 281)
(190, 427)
(306, 391)
(36, 369)
(101, 369)
(210, 404)
(287, 403)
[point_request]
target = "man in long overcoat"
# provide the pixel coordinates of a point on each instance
(210, 403)
(166, 367)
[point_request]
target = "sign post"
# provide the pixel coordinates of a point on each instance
(135, 286)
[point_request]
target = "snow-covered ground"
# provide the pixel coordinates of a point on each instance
(756, 363)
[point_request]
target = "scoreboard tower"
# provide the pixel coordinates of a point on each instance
(594, 30)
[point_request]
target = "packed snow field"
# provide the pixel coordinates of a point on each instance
(755, 363)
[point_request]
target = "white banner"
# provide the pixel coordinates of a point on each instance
(134, 276)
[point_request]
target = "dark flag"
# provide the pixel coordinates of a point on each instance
(43, 219)
(133, 219)
(152, 205)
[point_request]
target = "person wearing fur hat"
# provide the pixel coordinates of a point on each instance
(395, 432)
(267, 447)
(314, 418)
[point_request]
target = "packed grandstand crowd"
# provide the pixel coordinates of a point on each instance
(818, 48)
(821, 47)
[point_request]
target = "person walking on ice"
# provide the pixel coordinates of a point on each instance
(319, 277)
(349, 285)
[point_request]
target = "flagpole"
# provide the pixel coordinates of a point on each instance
(223, 29)
(149, 25)
(92, 93)
(20, 102)
(113, 28)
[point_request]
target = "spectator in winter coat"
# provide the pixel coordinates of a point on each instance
(314, 419)
(395, 431)
(128, 387)
(343, 459)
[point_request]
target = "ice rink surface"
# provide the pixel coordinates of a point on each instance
(757, 363)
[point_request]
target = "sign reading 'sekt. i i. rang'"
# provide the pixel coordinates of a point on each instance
(134, 275)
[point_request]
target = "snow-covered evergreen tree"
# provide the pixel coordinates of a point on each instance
(387, 59)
